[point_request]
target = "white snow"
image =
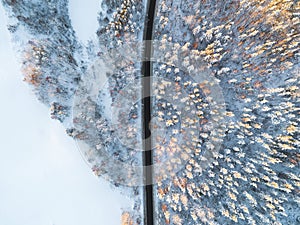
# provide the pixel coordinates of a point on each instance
(83, 16)
(43, 178)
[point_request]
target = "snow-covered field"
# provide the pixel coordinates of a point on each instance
(43, 178)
